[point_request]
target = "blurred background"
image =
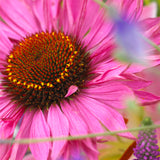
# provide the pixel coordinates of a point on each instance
(118, 148)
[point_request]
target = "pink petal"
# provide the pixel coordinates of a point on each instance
(42, 9)
(112, 93)
(98, 28)
(19, 150)
(106, 71)
(10, 14)
(90, 148)
(65, 20)
(90, 8)
(134, 68)
(5, 151)
(135, 82)
(7, 128)
(72, 89)
(10, 112)
(151, 27)
(101, 53)
(9, 119)
(131, 9)
(5, 43)
(29, 157)
(149, 11)
(109, 117)
(80, 150)
(146, 98)
(6, 132)
(76, 123)
(9, 32)
(59, 126)
(73, 10)
(93, 124)
(40, 129)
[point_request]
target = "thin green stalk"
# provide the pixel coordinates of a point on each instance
(152, 43)
(50, 139)
(102, 4)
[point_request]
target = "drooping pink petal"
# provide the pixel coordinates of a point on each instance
(112, 93)
(10, 112)
(72, 89)
(19, 150)
(108, 116)
(59, 126)
(135, 68)
(146, 98)
(77, 126)
(40, 129)
(106, 71)
(7, 128)
(135, 82)
(9, 119)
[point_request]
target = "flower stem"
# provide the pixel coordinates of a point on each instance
(152, 43)
(50, 139)
(102, 4)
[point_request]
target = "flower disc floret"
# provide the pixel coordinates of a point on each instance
(42, 67)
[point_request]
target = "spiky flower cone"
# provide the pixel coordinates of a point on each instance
(147, 148)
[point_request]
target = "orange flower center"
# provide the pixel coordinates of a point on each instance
(43, 66)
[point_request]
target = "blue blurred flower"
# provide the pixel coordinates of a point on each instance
(130, 41)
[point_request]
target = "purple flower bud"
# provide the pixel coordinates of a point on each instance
(147, 148)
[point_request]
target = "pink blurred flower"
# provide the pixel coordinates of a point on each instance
(77, 83)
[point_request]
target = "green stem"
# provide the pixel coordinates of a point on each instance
(50, 139)
(152, 43)
(102, 4)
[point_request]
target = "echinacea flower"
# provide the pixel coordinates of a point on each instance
(58, 77)
(147, 147)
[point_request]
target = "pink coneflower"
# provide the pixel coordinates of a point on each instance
(58, 77)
